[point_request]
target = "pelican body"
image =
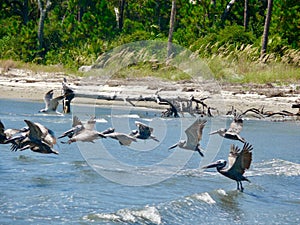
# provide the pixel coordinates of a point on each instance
(194, 136)
(144, 132)
(239, 161)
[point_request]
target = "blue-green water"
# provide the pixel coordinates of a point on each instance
(105, 183)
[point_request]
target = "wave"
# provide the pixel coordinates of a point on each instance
(276, 167)
(134, 116)
(145, 215)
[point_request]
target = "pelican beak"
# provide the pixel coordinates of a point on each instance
(214, 132)
(212, 165)
(173, 146)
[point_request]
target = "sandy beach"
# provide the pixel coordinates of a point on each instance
(27, 85)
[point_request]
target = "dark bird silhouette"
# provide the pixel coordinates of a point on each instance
(238, 162)
(37, 138)
(69, 95)
(51, 103)
(233, 131)
(194, 136)
(144, 132)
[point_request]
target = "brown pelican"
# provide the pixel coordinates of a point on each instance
(51, 103)
(143, 132)
(38, 138)
(194, 136)
(6, 134)
(77, 126)
(84, 133)
(239, 161)
(68, 94)
(233, 131)
(123, 139)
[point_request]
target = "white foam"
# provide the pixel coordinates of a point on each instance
(101, 120)
(222, 192)
(276, 167)
(148, 213)
(134, 116)
(205, 197)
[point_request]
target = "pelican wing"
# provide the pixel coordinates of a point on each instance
(90, 124)
(76, 121)
(35, 132)
(194, 132)
(47, 135)
(236, 125)
(240, 160)
(54, 102)
(1, 128)
(47, 98)
(124, 139)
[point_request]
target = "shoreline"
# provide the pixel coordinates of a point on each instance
(22, 84)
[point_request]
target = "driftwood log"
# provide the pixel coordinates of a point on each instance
(176, 107)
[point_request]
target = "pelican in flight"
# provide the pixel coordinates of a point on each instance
(143, 132)
(124, 139)
(233, 132)
(51, 103)
(36, 137)
(194, 136)
(82, 132)
(239, 161)
(6, 134)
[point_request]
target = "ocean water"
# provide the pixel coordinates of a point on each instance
(145, 183)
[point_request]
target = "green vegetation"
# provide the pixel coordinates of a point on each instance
(77, 32)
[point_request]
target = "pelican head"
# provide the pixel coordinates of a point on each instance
(218, 164)
(134, 132)
(221, 131)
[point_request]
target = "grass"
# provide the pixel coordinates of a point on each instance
(153, 70)
(9, 64)
(229, 64)
(243, 65)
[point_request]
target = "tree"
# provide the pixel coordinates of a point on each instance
(43, 14)
(121, 14)
(246, 15)
(265, 35)
(171, 29)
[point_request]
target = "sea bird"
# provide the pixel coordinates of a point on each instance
(144, 132)
(233, 131)
(6, 134)
(36, 137)
(238, 160)
(82, 132)
(51, 103)
(194, 136)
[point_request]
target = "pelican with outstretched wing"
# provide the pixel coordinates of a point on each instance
(144, 132)
(194, 136)
(238, 162)
(51, 103)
